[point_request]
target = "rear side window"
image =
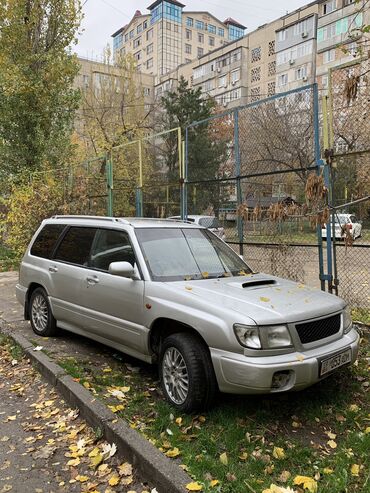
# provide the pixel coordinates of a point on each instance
(76, 245)
(45, 242)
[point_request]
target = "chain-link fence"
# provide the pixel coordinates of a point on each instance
(349, 142)
(248, 167)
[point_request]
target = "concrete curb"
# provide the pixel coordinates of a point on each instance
(150, 463)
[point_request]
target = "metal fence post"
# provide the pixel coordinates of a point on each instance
(139, 189)
(186, 173)
(239, 194)
(319, 163)
(109, 177)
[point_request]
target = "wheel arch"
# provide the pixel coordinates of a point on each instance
(31, 288)
(163, 327)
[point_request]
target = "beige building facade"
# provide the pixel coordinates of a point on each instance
(169, 36)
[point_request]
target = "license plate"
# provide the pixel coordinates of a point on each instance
(335, 362)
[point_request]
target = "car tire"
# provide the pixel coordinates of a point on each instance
(42, 320)
(186, 373)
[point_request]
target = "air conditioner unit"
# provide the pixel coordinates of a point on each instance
(233, 82)
(305, 78)
(291, 62)
(225, 103)
(225, 85)
(304, 34)
(218, 70)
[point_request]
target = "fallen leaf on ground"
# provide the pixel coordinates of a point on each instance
(224, 459)
(308, 483)
(194, 487)
(355, 470)
(278, 453)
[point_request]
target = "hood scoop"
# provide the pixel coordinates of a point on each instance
(261, 282)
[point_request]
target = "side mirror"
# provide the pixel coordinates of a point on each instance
(123, 269)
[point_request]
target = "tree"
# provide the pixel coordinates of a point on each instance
(37, 71)
(206, 146)
(114, 117)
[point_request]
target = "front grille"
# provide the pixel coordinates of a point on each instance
(319, 329)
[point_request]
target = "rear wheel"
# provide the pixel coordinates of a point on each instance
(186, 373)
(42, 321)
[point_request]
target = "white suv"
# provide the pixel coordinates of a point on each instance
(173, 293)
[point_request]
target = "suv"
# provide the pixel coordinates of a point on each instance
(175, 294)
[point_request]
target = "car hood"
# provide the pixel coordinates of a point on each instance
(264, 298)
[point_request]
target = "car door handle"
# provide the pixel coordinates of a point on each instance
(53, 269)
(91, 280)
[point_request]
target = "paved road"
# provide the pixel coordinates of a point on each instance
(32, 449)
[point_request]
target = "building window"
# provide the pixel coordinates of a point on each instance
(211, 29)
(300, 28)
(126, 38)
(282, 80)
(256, 54)
(235, 32)
(149, 49)
(149, 63)
(256, 74)
(149, 35)
(176, 28)
(235, 76)
(282, 35)
(168, 26)
(221, 32)
(328, 56)
(222, 81)
(146, 91)
(131, 34)
(200, 38)
(328, 7)
(137, 55)
(189, 21)
(137, 42)
(235, 94)
(211, 41)
(271, 88)
(271, 68)
(255, 94)
(342, 26)
(301, 73)
(200, 52)
(208, 85)
(199, 24)
(272, 48)
(139, 28)
(188, 49)
(145, 24)
(188, 34)
(325, 81)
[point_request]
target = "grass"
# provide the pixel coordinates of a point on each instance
(15, 350)
(361, 315)
(248, 429)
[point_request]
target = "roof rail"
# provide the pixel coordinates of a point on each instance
(180, 220)
(100, 218)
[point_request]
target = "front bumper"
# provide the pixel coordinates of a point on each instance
(240, 374)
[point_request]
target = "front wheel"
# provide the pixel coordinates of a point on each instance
(42, 321)
(186, 373)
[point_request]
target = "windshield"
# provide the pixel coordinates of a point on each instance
(174, 254)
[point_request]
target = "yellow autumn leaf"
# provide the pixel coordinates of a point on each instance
(94, 452)
(278, 453)
(278, 489)
(332, 444)
(367, 430)
(95, 461)
(178, 421)
(73, 462)
(194, 486)
(189, 288)
(82, 479)
(86, 385)
(354, 408)
(224, 459)
(125, 469)
(107, 370)
(308, 483)
(264, 299)
(205, 275)
(331, 435)
(243, 456)
(114, 480)
(328, 470)
(355, 470)
(214, 483)
(175, 452)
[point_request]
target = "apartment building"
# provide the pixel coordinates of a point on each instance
(169, 36)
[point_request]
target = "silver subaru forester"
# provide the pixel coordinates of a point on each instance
(170, 292)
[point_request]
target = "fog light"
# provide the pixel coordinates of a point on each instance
(280, 379)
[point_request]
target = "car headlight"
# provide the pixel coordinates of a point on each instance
(248, 336)
(267, 337)
(347, 320)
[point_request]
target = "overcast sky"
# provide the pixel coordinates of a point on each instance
(104, 17)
